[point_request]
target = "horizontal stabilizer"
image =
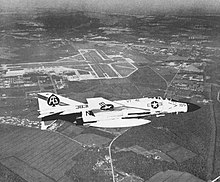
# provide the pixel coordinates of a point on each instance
(45, 114)
(45, 126)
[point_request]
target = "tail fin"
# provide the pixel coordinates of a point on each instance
(50, 103)
(102, 104)
(49, 100)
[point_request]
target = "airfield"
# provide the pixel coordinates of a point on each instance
(88, 64)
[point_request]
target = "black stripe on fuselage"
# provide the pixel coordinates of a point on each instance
(134, 117)
(139, 113)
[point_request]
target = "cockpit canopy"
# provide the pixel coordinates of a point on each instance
(159, 97)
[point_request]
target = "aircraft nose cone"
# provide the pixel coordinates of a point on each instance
(192, 107)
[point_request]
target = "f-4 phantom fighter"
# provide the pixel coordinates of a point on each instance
(100, 112)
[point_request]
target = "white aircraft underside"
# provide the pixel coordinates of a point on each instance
(119, 123)
(100, 112)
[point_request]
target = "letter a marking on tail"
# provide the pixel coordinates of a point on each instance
(53, 100)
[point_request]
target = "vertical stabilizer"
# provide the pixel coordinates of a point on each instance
(50, 101)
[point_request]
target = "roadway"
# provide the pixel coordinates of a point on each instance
(211, 153)
(218, 96)
(216, 109)
(168, 85)
(110, 153)
(216, 179)
(213, 157)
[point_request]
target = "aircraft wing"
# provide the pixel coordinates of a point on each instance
(101, 104)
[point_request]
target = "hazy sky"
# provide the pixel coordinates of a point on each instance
(122, 6)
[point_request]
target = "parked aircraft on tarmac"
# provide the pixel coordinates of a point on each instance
(100, 112)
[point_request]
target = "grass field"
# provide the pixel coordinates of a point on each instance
(92, 139)
(124, 69)
(8, 175)
(103, 134)
(145, 76)
(24, 170)
(70, 130)
(48, 152)
(167, 72)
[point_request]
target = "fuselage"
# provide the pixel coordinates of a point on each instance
(138, 108)
(100, 112)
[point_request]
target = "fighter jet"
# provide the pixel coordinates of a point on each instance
(103, 113)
